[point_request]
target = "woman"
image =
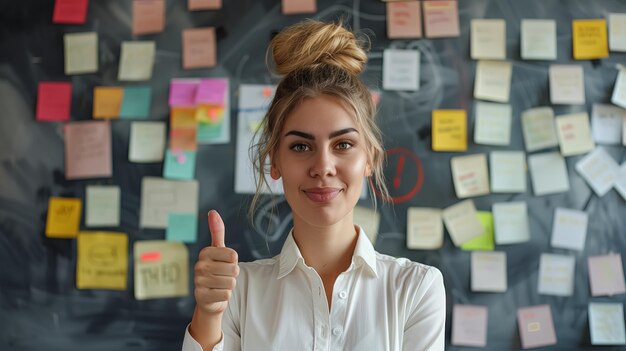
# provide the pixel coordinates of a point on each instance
(327, 289)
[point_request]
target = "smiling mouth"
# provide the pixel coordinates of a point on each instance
(322, 195)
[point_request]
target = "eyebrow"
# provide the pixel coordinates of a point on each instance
(330, 136)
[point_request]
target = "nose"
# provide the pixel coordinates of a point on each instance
(323, 164)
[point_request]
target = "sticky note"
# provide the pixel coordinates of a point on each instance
(492, 124)
(70, 11)
(212, 91)
(81, 52)
(599, 169)
(567, 85)
(507, 171)
(368, 220)
(209, 114)
(53, 101)
(449, 130)
(441, 19)
(488, 271)
(493, 80)
(606, 323)
(606, 275)
(620, 182)
(88, 150)
(539, 129)
(182, 117)
(195, 5)
(510, 222)
(569, 229)
(574, 134)
(102, 206)
(536, 328)
(469, 325)
(485, 241)
(556, 275)
(107, 102)
(404, 19)
(183, 139)
(606, 123)
(161, 269)
(538, 39)
(401, 69)
(590, 39)
(148, 16)
(199, 48)
(617, 32)
(424, 228)
(488, 39)
(462, 222)
(136, 102)
(102, 260)
(179, 165)
(182, 227)
(63, 218)
(619, 90)
(136, 60)
(159, 197)
(470, 176)
(548, 173)
(183, 92)
(147, 142)
(292, 7)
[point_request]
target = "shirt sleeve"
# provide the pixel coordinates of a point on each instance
(230, 336)
(190, 344)
(426, 323)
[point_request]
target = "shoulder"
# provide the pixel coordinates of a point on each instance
(259, 268)
(402, 271)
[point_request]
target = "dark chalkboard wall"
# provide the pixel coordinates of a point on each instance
(40, 307)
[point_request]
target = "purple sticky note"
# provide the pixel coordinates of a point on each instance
(212, 91)
(183, 92)
(606, 275)
(469, 325)
(535, 326)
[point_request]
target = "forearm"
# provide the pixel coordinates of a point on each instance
(206, 328)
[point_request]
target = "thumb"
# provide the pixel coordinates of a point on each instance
(216, 228)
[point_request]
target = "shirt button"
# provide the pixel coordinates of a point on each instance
(336, 331)
(343, 294)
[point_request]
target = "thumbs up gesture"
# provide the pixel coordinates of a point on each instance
(216, 271)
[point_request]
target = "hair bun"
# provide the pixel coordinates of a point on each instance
(312, 43)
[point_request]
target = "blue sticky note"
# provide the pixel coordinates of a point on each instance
(179, 165)
(136, 102)
(182, 227)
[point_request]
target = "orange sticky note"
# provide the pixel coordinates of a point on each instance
(590, 39)
(88, 150)
(194, 5)
(63, 218)
(404, 19)
(70, 11)
(53, 101)
(107, 102)
(183, 139)
(148, 16)
(441, 19)
(199, 48)
(449, 130)
(292, 7)
(182, 117)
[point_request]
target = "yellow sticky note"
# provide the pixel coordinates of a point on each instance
(449, 131)
(107, 102)
(590, 39)
(484, 242)
(209, 114)
(63, 218)
(182, 117)
(161, 269)
(102, 260)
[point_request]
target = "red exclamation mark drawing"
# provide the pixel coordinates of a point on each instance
(399, 167)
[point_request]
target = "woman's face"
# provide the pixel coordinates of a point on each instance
(322, 159)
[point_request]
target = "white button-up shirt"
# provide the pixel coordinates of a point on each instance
(379, 303)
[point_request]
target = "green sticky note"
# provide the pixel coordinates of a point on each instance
(136, 102)
(182, 227)
(484, 242)
(179, 165)
(208, 132)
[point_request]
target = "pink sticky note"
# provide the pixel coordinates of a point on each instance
(148, 16)
(606, 275)
(404, 19)
(292, 7)
(194, 5)
(469, 325)
(199, 48)
(70, 11)
(211, 91)
(441, 18)
(53, 101)
(88, 150)
(183, 93)
(535, 326)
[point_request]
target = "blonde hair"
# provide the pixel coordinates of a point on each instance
(317, 58)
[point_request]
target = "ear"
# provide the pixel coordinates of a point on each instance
(274, 172)
(368, 170)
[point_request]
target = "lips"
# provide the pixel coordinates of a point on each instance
(322, 194)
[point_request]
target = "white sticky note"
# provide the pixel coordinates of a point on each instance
(620, 182)
(507, 171)
(159, 197)
(607, 123)
(368, 220)
(567, 85)
(81, 52)
(606, 275)
(548, 173)
(147, 142)
(624, 131)
(619, 90)
(401, 69)
(493, 80)
(462, 222)
(488, 271)
(574, 134)
(617, 32)
(492, 124)
(136, 60)
(470, 176)
(569, 229)
(488, 39)
(161, 269)
(510, 222)
(424, 229)
(599, 169)
(606, 323)
(539, 129)
(556, 275)
(538, 39)
(469, 326)
(102, 206)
